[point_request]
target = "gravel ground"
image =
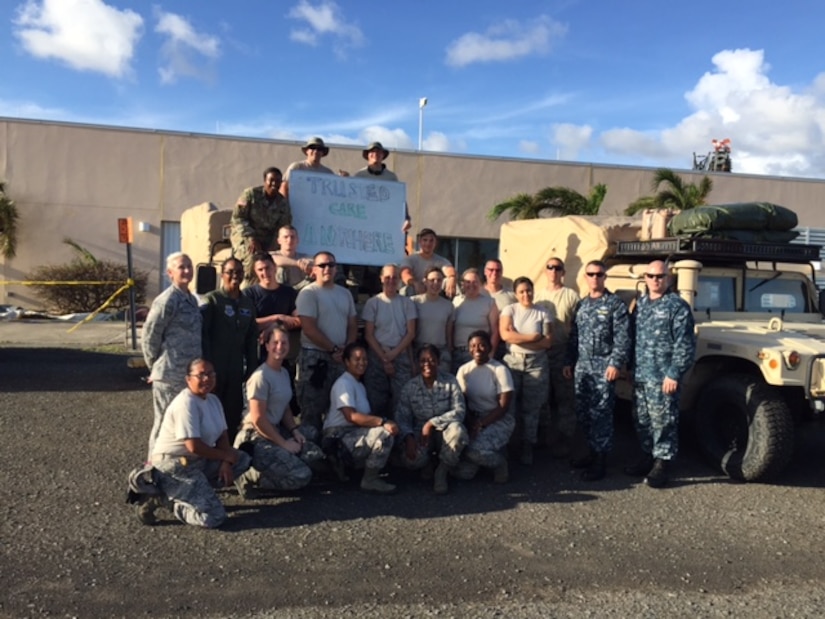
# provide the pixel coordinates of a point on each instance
(544, 545)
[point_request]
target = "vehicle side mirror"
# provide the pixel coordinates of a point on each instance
(207, 279)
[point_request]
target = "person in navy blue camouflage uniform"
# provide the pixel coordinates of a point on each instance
(665, 345)
(598, 347)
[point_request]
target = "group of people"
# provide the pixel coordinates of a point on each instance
(266, 384)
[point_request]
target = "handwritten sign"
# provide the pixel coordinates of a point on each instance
(357, 219)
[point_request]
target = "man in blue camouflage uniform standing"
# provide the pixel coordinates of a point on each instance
(598, 347)
(664, 351)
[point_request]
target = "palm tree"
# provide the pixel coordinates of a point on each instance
(557, 201)
(676, 194)
(8, 224)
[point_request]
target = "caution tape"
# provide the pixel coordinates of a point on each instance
(129, 284)
(34, 283)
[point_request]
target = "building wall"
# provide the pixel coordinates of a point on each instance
(75, 181)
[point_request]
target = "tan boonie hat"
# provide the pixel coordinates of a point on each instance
(316, 143)
(375, 146)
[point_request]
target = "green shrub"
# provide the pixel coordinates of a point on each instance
(70, 299)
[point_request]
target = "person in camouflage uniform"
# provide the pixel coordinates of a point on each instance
(328, 323)
(230, 341)
(281, 456)
(171, 337)
(353, 435)
(430, 415)
(192, 454)
(389, 329)
(561, 302)
(598, 347)
(256, 219)
(665, 345)
(488, 388)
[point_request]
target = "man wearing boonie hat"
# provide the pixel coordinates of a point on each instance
(375, 154)
(314, 150)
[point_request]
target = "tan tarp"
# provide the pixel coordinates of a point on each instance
(526, 245)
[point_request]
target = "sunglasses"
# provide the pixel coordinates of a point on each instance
(655, 275)
(326, 265)
(599, 274)
(554, 267)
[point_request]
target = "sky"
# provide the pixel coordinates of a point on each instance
(631, 82)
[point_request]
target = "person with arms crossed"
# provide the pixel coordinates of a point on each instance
(560, 301)
(256, 219)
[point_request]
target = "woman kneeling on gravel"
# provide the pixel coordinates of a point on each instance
(281, 456)
(352, 435)
(192, 453)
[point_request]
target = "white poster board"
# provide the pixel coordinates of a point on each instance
(357, 219)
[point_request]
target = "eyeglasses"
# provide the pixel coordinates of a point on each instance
(599, 274)
(204, 375)
(655, 275)
(326, 265)
(427, 361)
(312, 147)
(555, 267)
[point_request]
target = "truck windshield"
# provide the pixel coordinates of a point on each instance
(763, 293)
(776, 294)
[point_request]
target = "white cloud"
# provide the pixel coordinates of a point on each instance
(437, 142)
(87, 35)
(569, 139)
(183, 48)
(529, 148)
(507, 40)
(774, 129)
(325, 18)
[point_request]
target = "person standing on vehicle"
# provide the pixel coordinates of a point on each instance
(376, 169)
(256, 219)
(598, 347)
(665, 345)
(328, 323)
(561, 302)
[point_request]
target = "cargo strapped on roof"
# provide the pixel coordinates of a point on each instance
(719, 249)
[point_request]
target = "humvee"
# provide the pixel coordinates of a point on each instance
(760, 355)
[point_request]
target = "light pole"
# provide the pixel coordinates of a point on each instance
(422, 103)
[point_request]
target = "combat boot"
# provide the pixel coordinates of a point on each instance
(641, 467)
(501, 474)
(371, 482)
(440, 479)
(584, 461)
(657, 477)
(597, 468)
(338, 468)
(146, 510)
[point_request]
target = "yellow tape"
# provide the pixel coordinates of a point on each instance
(28, 283)
(106, 304)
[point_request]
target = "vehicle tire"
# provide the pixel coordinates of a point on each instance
(744, 427)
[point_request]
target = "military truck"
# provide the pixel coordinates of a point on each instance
(760, 357)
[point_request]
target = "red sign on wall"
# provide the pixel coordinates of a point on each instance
(125, 233)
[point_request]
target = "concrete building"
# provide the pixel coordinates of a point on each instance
(74, 181)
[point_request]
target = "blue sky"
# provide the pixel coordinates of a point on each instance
(637, 82)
